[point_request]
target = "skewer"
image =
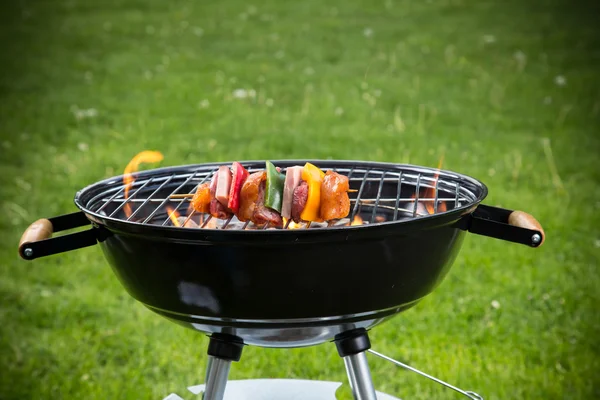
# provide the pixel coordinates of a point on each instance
(181, 196)
(186, 196)
(189, 195)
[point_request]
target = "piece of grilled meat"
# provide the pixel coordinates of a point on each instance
(335, 203)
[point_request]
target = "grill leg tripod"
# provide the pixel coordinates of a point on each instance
(222, 350)
(352, 347)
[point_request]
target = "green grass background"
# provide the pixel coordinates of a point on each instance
(508, 91)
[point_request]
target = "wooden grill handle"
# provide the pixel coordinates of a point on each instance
(523, 220)
(39, 230)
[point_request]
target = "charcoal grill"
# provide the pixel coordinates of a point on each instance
(300, 285)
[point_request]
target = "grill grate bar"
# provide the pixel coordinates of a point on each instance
(150, 197)
(127, 201)
(456, 200)
(175, 211)
(160, 206)
(179, 187)
(362, 200)
(406, 210)
(206, 221)
(189, 217)
(417, 190)
(350, 172)
(398, 195)
(392, 176)
(378, 198)
(112, 198)
(360, 191)
(435, 202)
(227, 222)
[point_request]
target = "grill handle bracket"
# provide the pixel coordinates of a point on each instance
(509, 225)
(37, 240)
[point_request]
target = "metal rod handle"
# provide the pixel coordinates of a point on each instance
(469, 394)
(500, 223)
(37, 240)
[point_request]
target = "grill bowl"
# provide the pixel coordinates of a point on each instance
(284, 288)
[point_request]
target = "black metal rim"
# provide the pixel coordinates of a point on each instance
(269, 237)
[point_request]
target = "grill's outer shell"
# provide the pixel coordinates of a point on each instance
(280, 288)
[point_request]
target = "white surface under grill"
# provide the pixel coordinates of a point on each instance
(277, 389)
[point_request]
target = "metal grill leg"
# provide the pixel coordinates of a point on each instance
(352, 347)
(216, 378)
(359, 376)
(222, 350)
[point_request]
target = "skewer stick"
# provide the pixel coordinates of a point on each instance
(188, 195)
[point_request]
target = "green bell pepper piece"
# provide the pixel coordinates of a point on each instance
(274, 187)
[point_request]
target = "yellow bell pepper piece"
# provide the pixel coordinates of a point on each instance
(313, 177)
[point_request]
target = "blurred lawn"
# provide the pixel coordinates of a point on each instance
(508, 91)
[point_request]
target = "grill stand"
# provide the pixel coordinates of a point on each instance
(222, 350)
(352, 347)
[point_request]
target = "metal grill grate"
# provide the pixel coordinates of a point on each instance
(379, 195)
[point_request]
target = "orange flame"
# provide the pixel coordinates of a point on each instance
(292, 224)
(430, 194)
(173, 215)
(356, 221)
(128, 179)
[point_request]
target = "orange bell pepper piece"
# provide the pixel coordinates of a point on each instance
(313, 177)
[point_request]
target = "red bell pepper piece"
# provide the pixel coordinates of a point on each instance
(240, 174)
